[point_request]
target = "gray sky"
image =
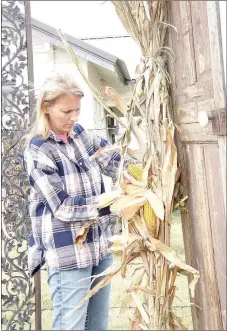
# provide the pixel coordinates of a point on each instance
(79, 18)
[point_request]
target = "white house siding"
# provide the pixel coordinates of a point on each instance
(41, 60)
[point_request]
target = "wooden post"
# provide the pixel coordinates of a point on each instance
(38, 320)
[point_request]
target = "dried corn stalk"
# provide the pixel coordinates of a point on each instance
(145, 196)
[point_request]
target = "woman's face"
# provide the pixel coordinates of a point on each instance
(64, 113)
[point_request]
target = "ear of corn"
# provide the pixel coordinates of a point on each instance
(150, 218)
(149, 215)
(135, 171)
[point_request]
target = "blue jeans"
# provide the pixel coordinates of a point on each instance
(66, 293)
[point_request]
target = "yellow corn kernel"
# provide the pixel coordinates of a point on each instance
(149, 217)
(135, 171)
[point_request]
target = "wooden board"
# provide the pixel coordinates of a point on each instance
(197, 85)
(207, 294)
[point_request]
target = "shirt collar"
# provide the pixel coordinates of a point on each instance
(53, 135)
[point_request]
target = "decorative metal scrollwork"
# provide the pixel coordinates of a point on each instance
(17, 289)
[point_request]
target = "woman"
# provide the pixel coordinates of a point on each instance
(65, 185)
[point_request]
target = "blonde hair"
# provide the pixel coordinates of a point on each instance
(54, 87)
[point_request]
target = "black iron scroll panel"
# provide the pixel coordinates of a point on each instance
(17, 289)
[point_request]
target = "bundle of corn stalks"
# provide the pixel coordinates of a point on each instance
(146, 193)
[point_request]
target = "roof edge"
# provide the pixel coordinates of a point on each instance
(90, 52)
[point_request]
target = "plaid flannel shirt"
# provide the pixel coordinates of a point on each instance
(65, 184)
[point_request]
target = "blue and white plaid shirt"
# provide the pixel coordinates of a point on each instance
(65, 184)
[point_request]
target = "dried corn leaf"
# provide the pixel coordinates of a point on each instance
(82, 234)
(106, 199)
(147, 75)
(143, 326)
(155, 203)
(136, 322)
(120, 203)
(107, 149)
(137, 302)
(103, 282)
(132, 180)
(125, 302)
(140, 136)
(171, 256)
(106, 272)
(157, 103)
(135, 247)
(169, 171)
(136, 154)
(110, 95)
(131, 189)
(143, 255)
(139, 89)
(146, 172)
(131, 208)
(120, 239)
(176, 322)
(122, 13)
(136, 285)
(168, 24)
(147, 9)
(193, 284)
(140, 226)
